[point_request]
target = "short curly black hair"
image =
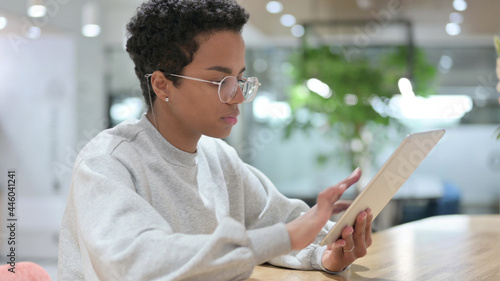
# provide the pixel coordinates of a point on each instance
(164, 34)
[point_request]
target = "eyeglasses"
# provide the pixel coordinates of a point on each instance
(229, 86)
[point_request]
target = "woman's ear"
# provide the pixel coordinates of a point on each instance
(160, 85)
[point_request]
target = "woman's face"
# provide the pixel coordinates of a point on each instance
(194, 107)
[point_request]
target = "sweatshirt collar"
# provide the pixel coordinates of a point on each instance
(168, 152)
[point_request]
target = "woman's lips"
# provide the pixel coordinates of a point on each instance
(230, 120)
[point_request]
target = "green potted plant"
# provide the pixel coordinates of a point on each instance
(342, 92)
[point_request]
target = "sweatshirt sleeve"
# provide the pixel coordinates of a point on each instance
(122, 237)
(266, 206)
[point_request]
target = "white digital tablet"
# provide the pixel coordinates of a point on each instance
(384, 185)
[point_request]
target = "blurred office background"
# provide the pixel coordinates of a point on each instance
(64, 76)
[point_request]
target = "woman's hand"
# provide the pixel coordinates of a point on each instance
(304, 229)
(353, 244)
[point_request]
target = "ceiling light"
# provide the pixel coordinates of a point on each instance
(445, 63)
(3, 22)
(459, 5)
(453, 29)
(274, 7)
(36, 8)
(405, 88)
(288, 20)
(90, 26)
(320, 88)
(298, 30)
(91, 30)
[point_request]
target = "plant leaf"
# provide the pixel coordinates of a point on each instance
(497, 44)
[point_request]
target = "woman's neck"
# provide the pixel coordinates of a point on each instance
(179, 140)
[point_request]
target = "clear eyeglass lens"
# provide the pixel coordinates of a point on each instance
(250, 88)
(229, 86)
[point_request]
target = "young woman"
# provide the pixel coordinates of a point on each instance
(163, 198)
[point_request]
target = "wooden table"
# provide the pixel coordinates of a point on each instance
(454, 247)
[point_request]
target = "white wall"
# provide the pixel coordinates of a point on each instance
(52, 102)
(469, 156)
(37, 100)
(37, 121)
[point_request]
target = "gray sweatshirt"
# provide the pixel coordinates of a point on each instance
(140, 209)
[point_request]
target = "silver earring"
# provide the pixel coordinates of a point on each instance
(167, 99)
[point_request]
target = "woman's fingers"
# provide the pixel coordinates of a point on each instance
(304, 229)
(338, 248)
(350, 246)
(332, 194)
(352, 178)
(368, 228)
(341, 206)
(355, 238)
(359, 234)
